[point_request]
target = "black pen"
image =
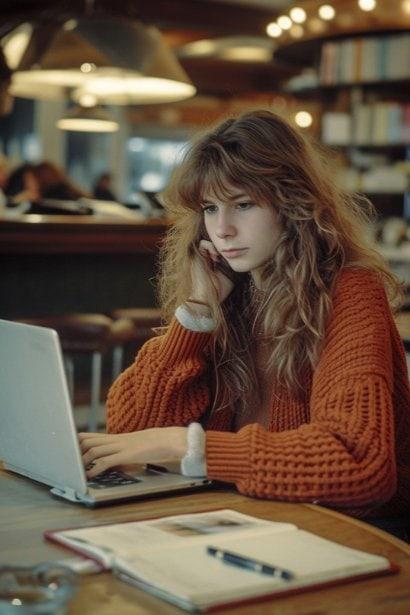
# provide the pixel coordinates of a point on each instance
(249, 563)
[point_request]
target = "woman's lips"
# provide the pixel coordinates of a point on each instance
(234, 252)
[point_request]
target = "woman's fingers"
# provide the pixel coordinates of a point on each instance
(104, 451)
(207, 249)
(96, 452)
(207, 276)
(85, 436)
(102, 464)
(96, 440)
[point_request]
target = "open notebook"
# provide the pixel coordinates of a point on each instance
(38, 437)
(207, 560)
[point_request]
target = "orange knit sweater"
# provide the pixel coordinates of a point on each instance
(346, 444)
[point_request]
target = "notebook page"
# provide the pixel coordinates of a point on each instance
(127, 539)
(192, 574)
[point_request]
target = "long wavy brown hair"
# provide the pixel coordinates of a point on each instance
(322, 231)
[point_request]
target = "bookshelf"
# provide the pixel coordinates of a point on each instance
(365, 59)
(361, 83)
(313, 89)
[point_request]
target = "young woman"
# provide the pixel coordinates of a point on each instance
(281, 370)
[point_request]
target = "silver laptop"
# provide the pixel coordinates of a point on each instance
(38, 437)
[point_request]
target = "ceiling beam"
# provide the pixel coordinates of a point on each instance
(218, 17)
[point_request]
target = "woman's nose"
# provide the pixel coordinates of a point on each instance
(225, 227)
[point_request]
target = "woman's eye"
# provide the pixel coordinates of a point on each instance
(209, 209)
(244, 205)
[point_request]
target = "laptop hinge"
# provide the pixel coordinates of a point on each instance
(70, 494)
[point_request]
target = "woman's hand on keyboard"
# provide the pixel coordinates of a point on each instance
(102, 451)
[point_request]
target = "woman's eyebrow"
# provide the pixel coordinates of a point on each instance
(233, 198)
(240, 195)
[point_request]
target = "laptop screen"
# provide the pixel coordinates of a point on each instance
(38, 436)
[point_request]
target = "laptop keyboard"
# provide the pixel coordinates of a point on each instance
(112, 478)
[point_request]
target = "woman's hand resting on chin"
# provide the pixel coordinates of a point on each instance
(207, 268)
(101, 451)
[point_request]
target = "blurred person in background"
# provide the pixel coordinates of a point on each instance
(54, 183)
(102, 188)
(22, 187)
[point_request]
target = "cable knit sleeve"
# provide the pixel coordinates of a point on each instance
(344, 456)
(166, 385)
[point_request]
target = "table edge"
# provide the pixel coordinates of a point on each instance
(361, 523)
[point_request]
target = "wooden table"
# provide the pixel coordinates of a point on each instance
(27, 509)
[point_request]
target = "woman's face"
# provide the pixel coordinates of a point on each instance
(244, 232)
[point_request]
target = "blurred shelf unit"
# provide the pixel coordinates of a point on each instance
(399, 261)
(368, 123)
(363, 85)
(370, 59)
(397, 254)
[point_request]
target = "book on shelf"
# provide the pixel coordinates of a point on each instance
(336, 128)
(203, 561)
(379, 123)
(370, 67)
(382, 51)
(362, 124)
(398, 56)
(328, 65)
(358, 54)
(346, 64)
(406, 123)
(365, 59)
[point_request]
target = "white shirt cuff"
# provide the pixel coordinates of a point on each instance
(201, 324)
(194, 462)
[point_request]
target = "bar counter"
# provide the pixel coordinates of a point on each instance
(35, 234)
(58, 264)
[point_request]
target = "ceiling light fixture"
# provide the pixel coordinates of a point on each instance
(284, 22)
(15, 44)
(303, 119)
(326, 12)
(273, 30)
(297, 14)
(119, 61)
(367, 5)
(87, 119)
(87, 100)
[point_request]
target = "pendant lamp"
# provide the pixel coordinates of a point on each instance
(118, 61)
(87, 119)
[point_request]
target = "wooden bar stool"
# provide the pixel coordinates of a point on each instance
(142, 321)
(81, 334)
(122, 332)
